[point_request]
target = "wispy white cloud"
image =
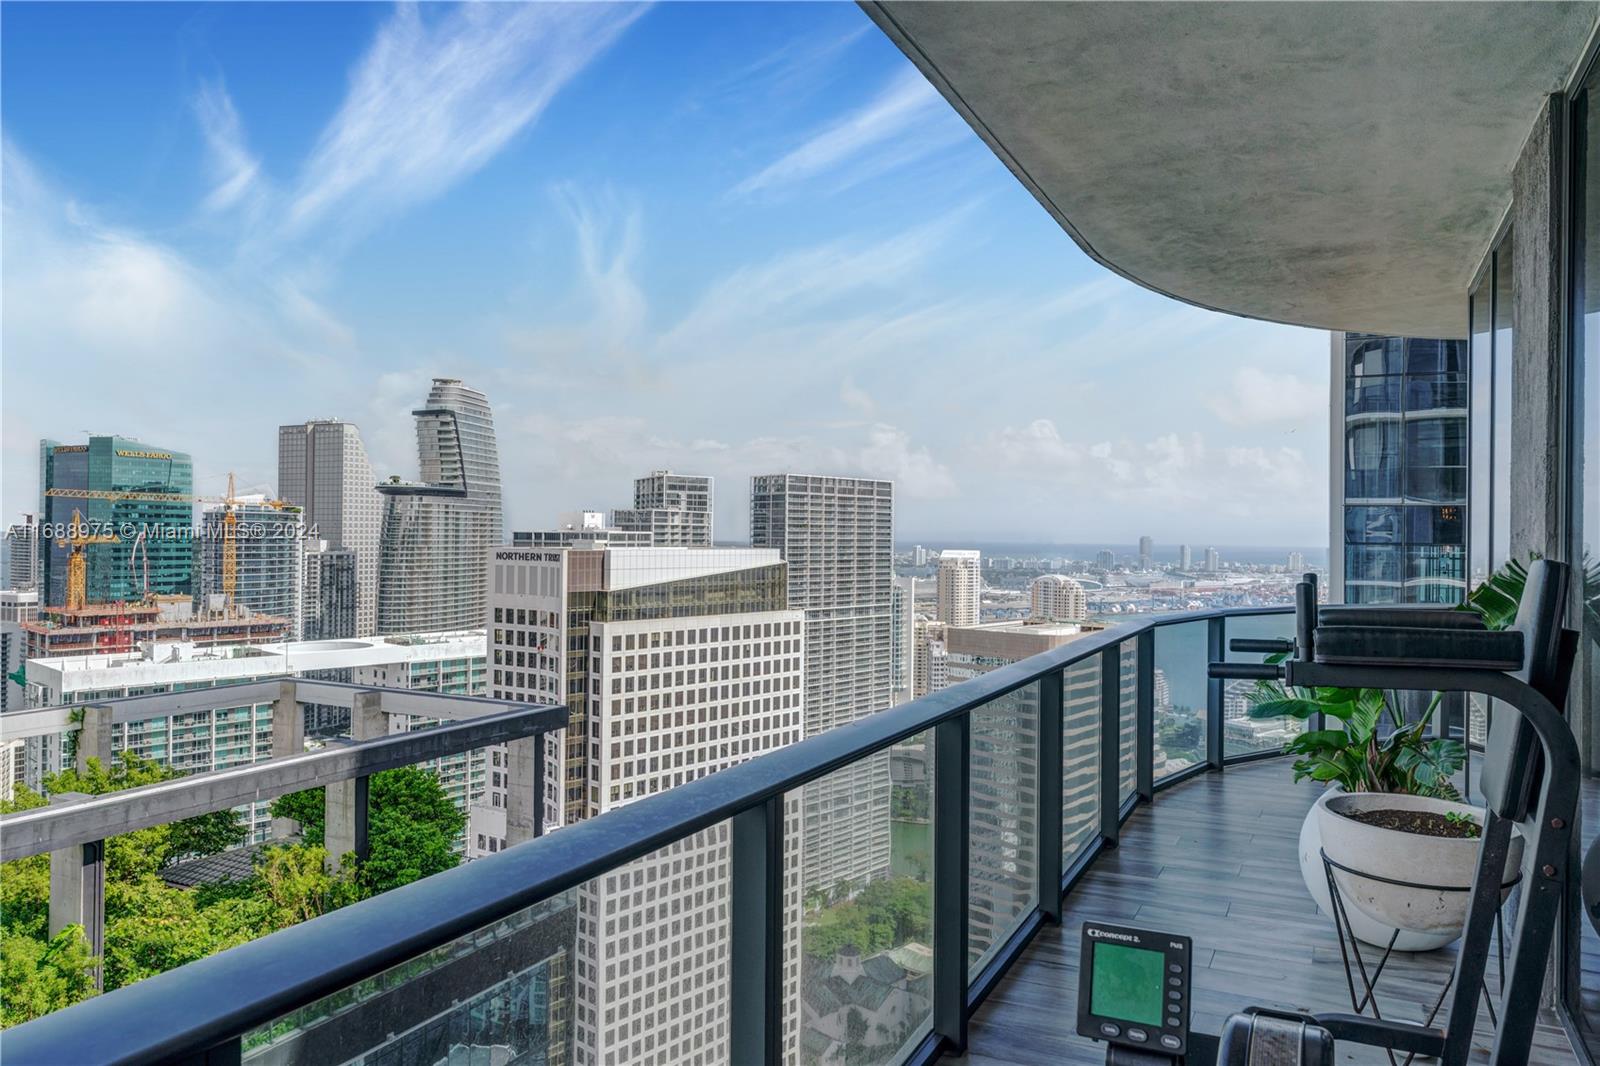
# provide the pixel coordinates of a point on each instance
(235, 171)
(905, 121)
(437, 96)
(1258, 397)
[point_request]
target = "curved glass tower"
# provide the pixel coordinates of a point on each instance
(433, 552)
(1400, 469)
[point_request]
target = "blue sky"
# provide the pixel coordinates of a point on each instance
(722, 238)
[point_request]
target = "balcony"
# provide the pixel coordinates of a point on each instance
(1074, 784)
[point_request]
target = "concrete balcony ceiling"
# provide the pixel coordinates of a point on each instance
(1339, 165)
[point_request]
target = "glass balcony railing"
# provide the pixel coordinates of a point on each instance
(709, 924)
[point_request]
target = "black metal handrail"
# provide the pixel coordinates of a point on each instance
(200, 1012)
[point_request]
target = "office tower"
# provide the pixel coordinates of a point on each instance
(675, 509)
(836, 534)
(674, 663)
(960, 587)
(931, 667)
(1398, 490)
(139, 494)
(268, 547)
(330, 596)
(1213, 561)
(1057, 598)
(1105, 559)
(17, 608)
(1147, 550)
(323, 469)
(582, 527)
(1185, 558)
(903, 640)
(438, 532)
(22, 556)
(1297, 562)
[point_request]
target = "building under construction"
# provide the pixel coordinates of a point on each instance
(133, 505)
(110, 628)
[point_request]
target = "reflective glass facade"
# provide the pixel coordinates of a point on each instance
(1404, 466)
(153, 534)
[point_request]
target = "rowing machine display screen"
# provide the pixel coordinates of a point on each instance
(1134, 988)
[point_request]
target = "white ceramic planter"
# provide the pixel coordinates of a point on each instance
(1365, 929)
(1425, 912)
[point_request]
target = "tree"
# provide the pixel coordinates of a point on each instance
(38, 976)
(411, 829)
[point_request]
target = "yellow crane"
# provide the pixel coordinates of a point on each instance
(230, 521)
(77, 565)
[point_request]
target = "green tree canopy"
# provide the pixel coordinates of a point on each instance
(412, 826)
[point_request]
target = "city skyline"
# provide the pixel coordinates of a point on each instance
(630, 272)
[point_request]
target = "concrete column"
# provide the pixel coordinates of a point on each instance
(524, 789)
(345, 802)
(1538, 322)
(94, 737)
(78, 889)
(288, 722)
(1539, 395)
(288, 738)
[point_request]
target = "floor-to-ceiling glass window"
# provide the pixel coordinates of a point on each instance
(1500, 470)
(1405, 458)
(1583, 510)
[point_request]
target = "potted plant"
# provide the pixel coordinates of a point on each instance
(1391, 809)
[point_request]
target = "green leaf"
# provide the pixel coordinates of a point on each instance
(1317, 741)
(1290, 707)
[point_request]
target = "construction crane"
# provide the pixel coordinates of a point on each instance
(230, 523)
(77, 564)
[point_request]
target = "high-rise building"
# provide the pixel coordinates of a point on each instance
(1213, 561)
(222, 737)
(836, 534)
(903, 639)
(931, 670)
(323, 469)
(960, 591)
(582, 527)
(17, 608)
(1185, 558)
(675, 509)
(438, 532)
(674, 663)
(22, 557)
(1398, 491)
(919, 556)
(330, 596)
(268, 545)
(138, 493)
(1147, 550)
(1296, 563)
(1105, 558)
(1057, 598)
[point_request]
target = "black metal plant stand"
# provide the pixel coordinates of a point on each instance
(1369, 982)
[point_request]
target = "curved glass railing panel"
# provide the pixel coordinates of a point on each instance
(1243, 734)
(1127, 719)
(1178, 702)
(1003, 838)
(1080, 758)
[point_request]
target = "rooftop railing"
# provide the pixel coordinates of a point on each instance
(1001, 791)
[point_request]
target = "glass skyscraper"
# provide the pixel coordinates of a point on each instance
(142, 494)
(1399, 488)
(433, 551)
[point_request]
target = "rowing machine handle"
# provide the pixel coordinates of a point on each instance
(1245, 671)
